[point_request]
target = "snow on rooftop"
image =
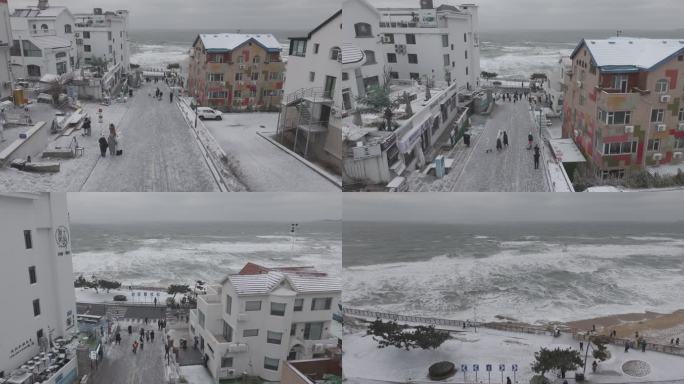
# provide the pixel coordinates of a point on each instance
(265, 283)
(260, 284)
(230, 41)
(35, 12)
(50, 42)
(630, 51)
(351, 54)
(313, 284)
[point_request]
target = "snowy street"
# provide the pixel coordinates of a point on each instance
(476, 170)
(261, 165)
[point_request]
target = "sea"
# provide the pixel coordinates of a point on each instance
(160, 254)
(534, 272)
(514, 55)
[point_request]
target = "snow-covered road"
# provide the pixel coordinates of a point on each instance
(263, 166)
(159, 151)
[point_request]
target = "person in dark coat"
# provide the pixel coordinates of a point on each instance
(536, 157)
(508, 380)
(498, 144)
(86, 126)
(103, 146)
(152, 336)
(170, 97)
(505, 139)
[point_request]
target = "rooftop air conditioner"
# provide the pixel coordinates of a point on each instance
(657, 156)
(629, 129)
(400, 49)
(665, 98)
(661, 127)
(77, 34)
(386, 39)
(242, 67)
(680, 127)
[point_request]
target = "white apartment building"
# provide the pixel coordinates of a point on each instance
(5, 42)
(104, 36)
(36, 275)
(256, 320)
(43, 41)
(310, 114)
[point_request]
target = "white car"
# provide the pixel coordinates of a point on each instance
(208, 113)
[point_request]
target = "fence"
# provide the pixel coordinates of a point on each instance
(408, 319)
(656, 347)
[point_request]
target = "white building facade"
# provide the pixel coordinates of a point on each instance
(43, 42)
(253, 323)
(36, 274)
(5, 43)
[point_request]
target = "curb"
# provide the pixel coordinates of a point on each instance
(304, 161)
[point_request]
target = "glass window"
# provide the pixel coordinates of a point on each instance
(229, 304)
(321, 303)
(86, 34)
(36, 307)
(313, 331)
(335, 53)
(681, 114)
(32, 275)
(345, 76)
(87, 48)
(67, 28)
(253, 305)
(363, 30)
(410, 38)
(238, 76)
(31, 50)
(28, 242)
(15, 50)
(316, 46)
(226, 362)
(662, 86)
(227, 331)
(312, 76)
(389, 38)
(653, 145)
(271, 364)
(412, 58)
(250, 333)
(278, 309)
(445, 41)
(370, 57)
(446, 60)
(391, 57)
(679, 142)
(274, 337)
(298, 305)
(255, 76)
(298, 48)
(657, 115)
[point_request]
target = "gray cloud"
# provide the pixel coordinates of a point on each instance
(566, 14)
(501, 207)
(105, 207)
(210, 14)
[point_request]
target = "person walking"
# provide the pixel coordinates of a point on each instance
(142, 344)
(103, 146)
(626, 346)
(508, 380)
(112, 141)
(530, 140)
(170, 96)
(677, 341)
(594, 366)
(581, 346)
(643, 345)
(536, 157)
(117, 337)
(152, 336)
(167, 347)
(505, 139)
(142, 332)
(130, 330)
(147, 336)
(135, 346)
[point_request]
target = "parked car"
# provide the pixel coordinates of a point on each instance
(120, 298)
(208, 113)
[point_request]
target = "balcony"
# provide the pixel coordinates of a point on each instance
(43, 32)
(238, 347)
(614, 100)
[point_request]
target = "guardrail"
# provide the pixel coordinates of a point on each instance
(656, 347)
(409, 319)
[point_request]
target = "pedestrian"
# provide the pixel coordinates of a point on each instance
(147, 336)
(161, 94)
(536, 160)
(530, 139)
(142, 332)
(142, 344)
(498, 144)
(117, 337)
(626, 346)
(508, 380)
(643, 345)
(581, 346)
(135, 346)
(505, 139)
(672, 341)
(103, 146)
(166, 348)
(170, 97)
(155, 302)
(146, 320)
(112, 140)
(152, 336)
(594, 366)
(130, 330)
(677, 341)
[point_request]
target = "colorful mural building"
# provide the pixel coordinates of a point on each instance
(624, 104)
(236, 72)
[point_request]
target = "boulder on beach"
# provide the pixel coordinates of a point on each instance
(441, 370)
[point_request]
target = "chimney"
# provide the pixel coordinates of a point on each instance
(43, 4)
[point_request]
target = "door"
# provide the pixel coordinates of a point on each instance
(325, 114)
(621, 83)
(330, 86)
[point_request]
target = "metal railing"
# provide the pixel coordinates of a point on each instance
(656, 347)
(409, 319)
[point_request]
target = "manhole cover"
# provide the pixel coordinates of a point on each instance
(636, 368)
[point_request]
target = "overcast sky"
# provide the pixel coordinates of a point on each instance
(568, 14)
(498, 207)
(101, 207)
(210, 14)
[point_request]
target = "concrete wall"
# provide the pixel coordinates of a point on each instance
(33, 145)
(5, 42)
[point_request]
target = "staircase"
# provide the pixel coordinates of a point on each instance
(116, 312)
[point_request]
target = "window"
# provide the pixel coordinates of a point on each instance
(87, 48)
(60, 55)
(67, 28)
(414, 76)
(345, 76)
(278, 309)
(445, 41)
(86, 34)
(250, 333)
(28, 242)
(39, 335)
(253, 305)
(226, 362)
(391, 57)
(255, 76)
(662, 86)
(33, 70)
(466, 71)
(466, 54)
(615, 118)
(32, 275)
(321, 303)
(657, 115)
(298, 305)
(465, 37)
(293, 330)
(412, 58)
(312, 76)
(15, 50)
(335, 54)
(271, 364)
(316, 46)
(394, 75)
(238, 76)
(389, 38)
(240, 60)
(313, 331)
(217, 58)
(36, 307)
(653, 145)
(681, 114)
(229, 304)
(363, 30)
(298, 48)
(613, 174)
(217, 94)
(274, 76)
(679, 142)
(30, 49)
(227, 332)
(44, 27)
(446, 60)
(619, 148)
(370, 57)
(237, 93)
(109, 35)
(347, 99)
(410, 38)
(216, 77)
(256, 59)
(274, 337)
(200, 317)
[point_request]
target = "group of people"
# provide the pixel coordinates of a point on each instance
(501, 140)
(514, 97)
(111, 142)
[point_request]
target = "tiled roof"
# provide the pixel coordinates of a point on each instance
(230, 41)
(631, 52)
(302, 280)
(314, 284)
(351, 54)
(47, 42)
(260, 284)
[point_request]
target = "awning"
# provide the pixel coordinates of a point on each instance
(566, 151)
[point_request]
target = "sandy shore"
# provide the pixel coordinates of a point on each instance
(655, 327)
